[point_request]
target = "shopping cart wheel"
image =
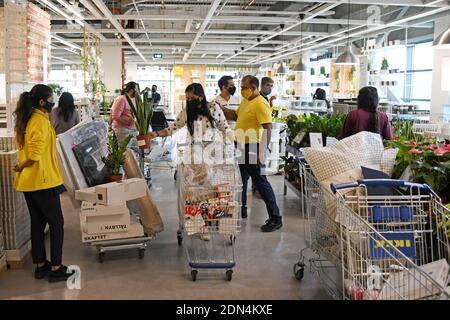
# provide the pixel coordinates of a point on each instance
(179, 238)
(229, 275)
(299, 270)
(101, 257)
(175, 175)
(141, 253)
(232, 239)
(194, 275)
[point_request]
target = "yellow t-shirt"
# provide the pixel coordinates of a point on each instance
(251, 115)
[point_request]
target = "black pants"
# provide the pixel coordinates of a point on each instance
(45, 207)
(249, 168)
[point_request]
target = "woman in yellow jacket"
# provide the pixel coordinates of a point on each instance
(39, 178)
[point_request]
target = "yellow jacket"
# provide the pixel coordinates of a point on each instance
(40, 146)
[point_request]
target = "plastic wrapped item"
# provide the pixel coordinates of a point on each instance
(92, 129)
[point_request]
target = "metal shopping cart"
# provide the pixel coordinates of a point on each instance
(209, 202)
(393, 247)
(321, 234)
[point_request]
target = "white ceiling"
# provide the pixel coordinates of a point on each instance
(236, 32)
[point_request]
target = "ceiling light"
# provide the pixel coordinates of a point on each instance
(443, 41)
(300, 66)
(197, 25)
(282, 69)
(347, 57)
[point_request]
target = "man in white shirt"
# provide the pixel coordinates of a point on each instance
(227, 90)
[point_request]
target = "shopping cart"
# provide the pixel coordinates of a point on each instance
(321, 234)
(209, 202)
(393, 247)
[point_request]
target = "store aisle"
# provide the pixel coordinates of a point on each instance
(264, 261)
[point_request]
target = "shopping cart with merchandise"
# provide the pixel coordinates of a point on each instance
(394, 246)
(321, 233)
(209, 202)
(375, 247)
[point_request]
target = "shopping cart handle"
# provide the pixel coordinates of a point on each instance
(337, 186)
(395, 184)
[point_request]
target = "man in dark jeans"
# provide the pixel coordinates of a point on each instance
(253, 129)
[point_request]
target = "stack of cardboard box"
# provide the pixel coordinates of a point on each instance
(104, 213)
(14, 216)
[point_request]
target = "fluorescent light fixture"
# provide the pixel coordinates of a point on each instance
(67, 43)
(203, 55)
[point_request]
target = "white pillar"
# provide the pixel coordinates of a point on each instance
(130, 72)
(439, 93)
(112, 66)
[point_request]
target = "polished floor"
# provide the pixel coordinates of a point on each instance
(263, 271)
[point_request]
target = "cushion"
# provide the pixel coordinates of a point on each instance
(370, 173)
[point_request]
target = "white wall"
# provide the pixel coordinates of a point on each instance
(439, 97)
(112, 66)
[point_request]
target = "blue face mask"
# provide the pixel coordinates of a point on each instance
(268, 91)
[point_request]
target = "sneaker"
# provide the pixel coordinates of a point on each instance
(42, 272)
(272, 225)
(244, 212)
(62, 274)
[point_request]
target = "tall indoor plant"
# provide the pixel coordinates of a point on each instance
(115, 159)
(142, 113)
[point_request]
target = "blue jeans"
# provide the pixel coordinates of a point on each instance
(249, 169)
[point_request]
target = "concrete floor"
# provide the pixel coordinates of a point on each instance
(263, 271)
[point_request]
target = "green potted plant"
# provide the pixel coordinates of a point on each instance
(384, 65)
(338, 78)
(142, 113)
(313, 72)
(57, 89)
(115, 159)
(322, 71)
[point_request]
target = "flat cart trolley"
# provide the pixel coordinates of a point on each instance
(209, 202)
(133, 242)
(321, 233)
(394, 246)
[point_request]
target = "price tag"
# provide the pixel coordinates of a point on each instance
(315, 139)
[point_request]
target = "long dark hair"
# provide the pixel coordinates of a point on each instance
(24, 109)
(322, 95)
(66, 106)
(193, 113)
(368, 100)
(129, 86)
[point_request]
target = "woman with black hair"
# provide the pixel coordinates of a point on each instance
(39, 178)
(322, 95)
(65, 116)
(198, 111)
(367, 117)
(121, 117)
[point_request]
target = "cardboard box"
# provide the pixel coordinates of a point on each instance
(106, 224)
(412, 285)
(135, 231)
(115, 192)
(92, 209)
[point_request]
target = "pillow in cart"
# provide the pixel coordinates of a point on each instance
(375, 173)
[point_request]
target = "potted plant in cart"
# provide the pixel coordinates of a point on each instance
(115, 159)
(142, 113)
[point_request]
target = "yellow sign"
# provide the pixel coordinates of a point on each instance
(395, 243)
(178, 71)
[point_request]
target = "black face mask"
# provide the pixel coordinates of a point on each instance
(49, 106)
(231, 90)
(193, 104)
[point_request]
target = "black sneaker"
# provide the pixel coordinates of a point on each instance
(42, 272)
(244, 212)
(62, 274)
(272, 224)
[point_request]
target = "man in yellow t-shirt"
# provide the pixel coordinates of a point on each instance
(253, 131)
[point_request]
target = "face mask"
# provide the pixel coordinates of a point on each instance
(268, 91)
(49, 106)
(246, 93)
(193, 104)
(231, 90)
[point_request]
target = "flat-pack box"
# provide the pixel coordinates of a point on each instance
(114, 193)
(94, 209)
(105, 224)
(135, 231)
(413, 285)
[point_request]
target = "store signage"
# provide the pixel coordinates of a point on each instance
(327, 55)
(178, 71)
(157, 55)
(384, 249)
